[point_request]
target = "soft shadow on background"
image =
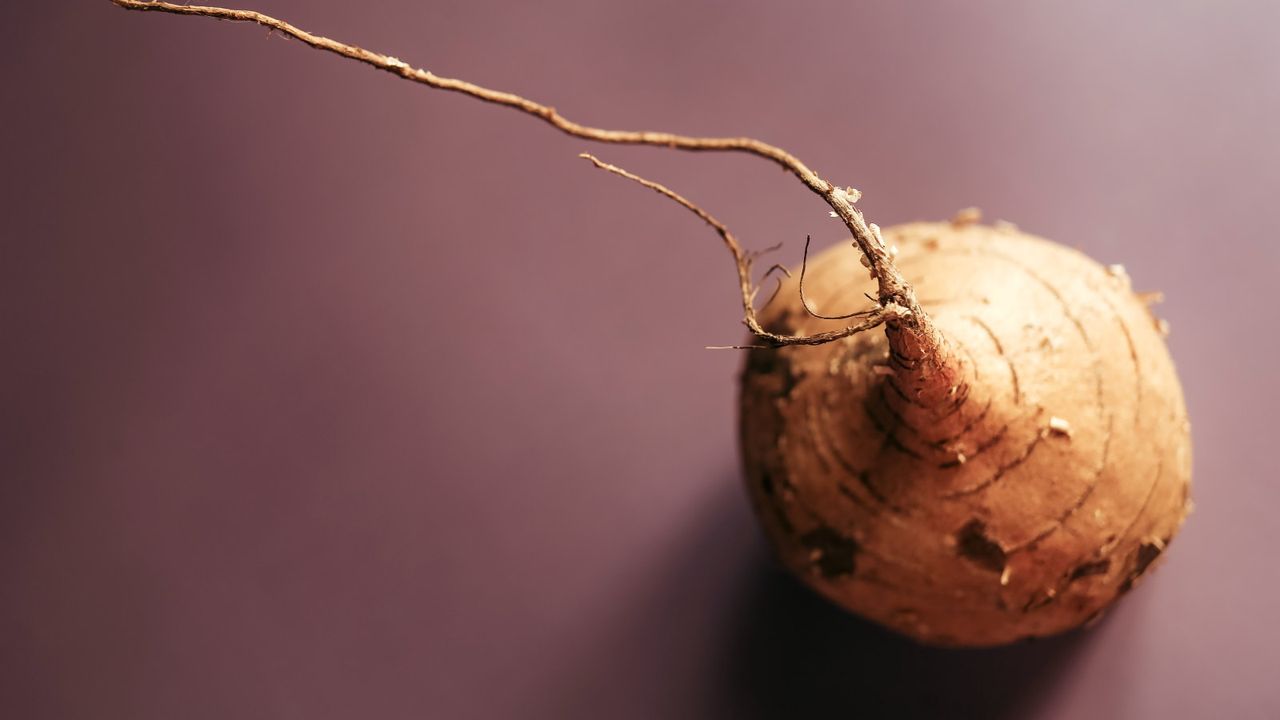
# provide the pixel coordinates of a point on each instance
(798, 655)
(718, 610)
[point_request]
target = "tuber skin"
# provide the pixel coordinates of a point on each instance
(1014, 489)
(1005, 460)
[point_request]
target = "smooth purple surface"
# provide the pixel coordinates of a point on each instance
(327, 396)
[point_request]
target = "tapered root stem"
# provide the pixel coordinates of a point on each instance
(926, 368)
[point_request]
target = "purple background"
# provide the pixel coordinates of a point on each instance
(328, 396)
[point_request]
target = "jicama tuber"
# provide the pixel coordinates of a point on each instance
(1009, 478)
(1006, 459)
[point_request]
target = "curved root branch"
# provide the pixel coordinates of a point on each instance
(743, 261)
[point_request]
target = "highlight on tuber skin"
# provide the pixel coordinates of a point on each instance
(1005, 460)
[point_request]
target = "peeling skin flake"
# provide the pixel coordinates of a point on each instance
(875, 232)
(1059, 426)
(852, 195)
(1119, 274)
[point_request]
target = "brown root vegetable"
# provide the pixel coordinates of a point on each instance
(1011, 484)
(1005, 460)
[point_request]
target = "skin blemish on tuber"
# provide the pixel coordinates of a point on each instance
(830, 553)
(973, 545)
(1060, 427)
(1084, 570)
(1143, 557)
(902, 457)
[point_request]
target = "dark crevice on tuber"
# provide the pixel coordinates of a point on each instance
(1084, 570)
(830, 552)
(769, 485)
(973, 544)
(766, 484)
(1142, 559)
